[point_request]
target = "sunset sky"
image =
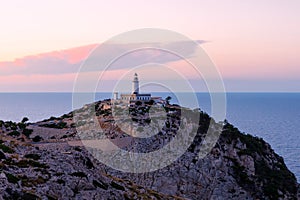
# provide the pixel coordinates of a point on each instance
(255, 44)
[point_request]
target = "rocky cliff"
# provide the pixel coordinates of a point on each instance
(46, 160)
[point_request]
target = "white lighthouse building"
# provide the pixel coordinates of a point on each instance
(135, 84)
(136, 96)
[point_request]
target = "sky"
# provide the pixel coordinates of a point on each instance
(255, 44)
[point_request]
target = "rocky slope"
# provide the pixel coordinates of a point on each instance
(46, 160)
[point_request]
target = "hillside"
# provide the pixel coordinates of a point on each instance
(47, 160)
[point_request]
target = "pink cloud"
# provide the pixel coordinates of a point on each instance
(55, 62)
(69, 61)
(73, 55)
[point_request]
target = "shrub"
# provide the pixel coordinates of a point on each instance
(37, 138)
(275, 179)
(64, 137)
(100, 184)
(11, 125)
(28, 163)
(60, 181)
(53, 118)
(14, 133)
(21, 126)
(6, 149)
(32, 181)
(78, 149)
(29, 196)
(27, 132)
(24, 120)
(11, 178)
(62, 125)
(79, 174)
(59, 125)
(33, 156)
(2, 156)
(117, 186)
(88, 163)
(67, 115)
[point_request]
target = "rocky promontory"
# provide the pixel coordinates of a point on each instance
(47, 160)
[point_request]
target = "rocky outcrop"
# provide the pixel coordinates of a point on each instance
(60, 171)
(239, 166)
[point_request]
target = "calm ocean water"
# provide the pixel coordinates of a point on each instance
(272, 116)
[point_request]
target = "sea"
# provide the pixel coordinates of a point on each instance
(275, 117)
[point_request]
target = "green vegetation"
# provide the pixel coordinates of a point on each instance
(27, 132)
(69, 115)
(2, 157)
(253, 144)
(32, 181)
(21, 126)
(33, 156)
(277, 178)
(29, 163)
(168, 99)
(6, 149)
(240, 172)
(138, 103)
(59, 125)
(11, 178)
(100, 184)
(9, 125)
(37, 138)
(12, 195)
(64, 137)
(273, 177)
(88, 163)
(151, 102)
(29, 196)
(79, 174)
(77, 149)
(117, 186)
(60, 181)
(51, 197)
(24, 120)
(53, 118)
(14, 133)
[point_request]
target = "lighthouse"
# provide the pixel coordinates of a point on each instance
(135, 84)
(135, 95)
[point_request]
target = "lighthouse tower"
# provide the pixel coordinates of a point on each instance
(135, 95)
(135, 84)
